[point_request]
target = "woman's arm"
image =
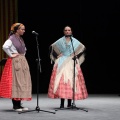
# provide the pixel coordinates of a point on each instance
(6, 47)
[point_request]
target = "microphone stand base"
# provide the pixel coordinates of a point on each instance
(72, 107)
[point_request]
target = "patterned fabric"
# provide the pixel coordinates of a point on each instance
(62, 81)
(60, 46)
(16, 81)
(22, 87)
(65, 89)
(6, 80)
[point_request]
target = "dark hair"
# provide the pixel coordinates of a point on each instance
(67, 26)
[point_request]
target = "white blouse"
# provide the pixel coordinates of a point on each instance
(9, 48)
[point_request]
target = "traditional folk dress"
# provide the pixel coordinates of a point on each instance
(67, 80)
(15, 81)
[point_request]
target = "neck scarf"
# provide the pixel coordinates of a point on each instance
(67, 49)
(18, 43)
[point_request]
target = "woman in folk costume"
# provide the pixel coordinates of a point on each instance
(16, 79)
(62, 77)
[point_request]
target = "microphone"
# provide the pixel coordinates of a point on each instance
(35, 33)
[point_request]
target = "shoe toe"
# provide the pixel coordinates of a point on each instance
(61, 106)
(18, 110)
(68, 105)
(24, 108)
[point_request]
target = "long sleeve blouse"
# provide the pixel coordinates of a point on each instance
(9, 48)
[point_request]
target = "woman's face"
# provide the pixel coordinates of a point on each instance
(21, 30)
(67, 31)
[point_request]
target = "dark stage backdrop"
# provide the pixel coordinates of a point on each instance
(95, 23)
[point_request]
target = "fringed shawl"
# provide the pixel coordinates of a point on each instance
(60, 46)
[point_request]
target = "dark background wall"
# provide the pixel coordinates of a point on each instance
(95, 23)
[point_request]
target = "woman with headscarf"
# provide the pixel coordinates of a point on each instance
(16, 79)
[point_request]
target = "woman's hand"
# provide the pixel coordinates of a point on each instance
(15, 55)
(59, 55)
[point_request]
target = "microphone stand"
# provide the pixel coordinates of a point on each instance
(38, 71)
(73, 106)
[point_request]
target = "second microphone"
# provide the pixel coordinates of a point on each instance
(35, 33)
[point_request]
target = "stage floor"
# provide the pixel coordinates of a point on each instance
(99, 107)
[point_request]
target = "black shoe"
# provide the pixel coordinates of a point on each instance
(23, 108)
(17, 109)
(68, 105)
(20, 105)
(61, 106)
